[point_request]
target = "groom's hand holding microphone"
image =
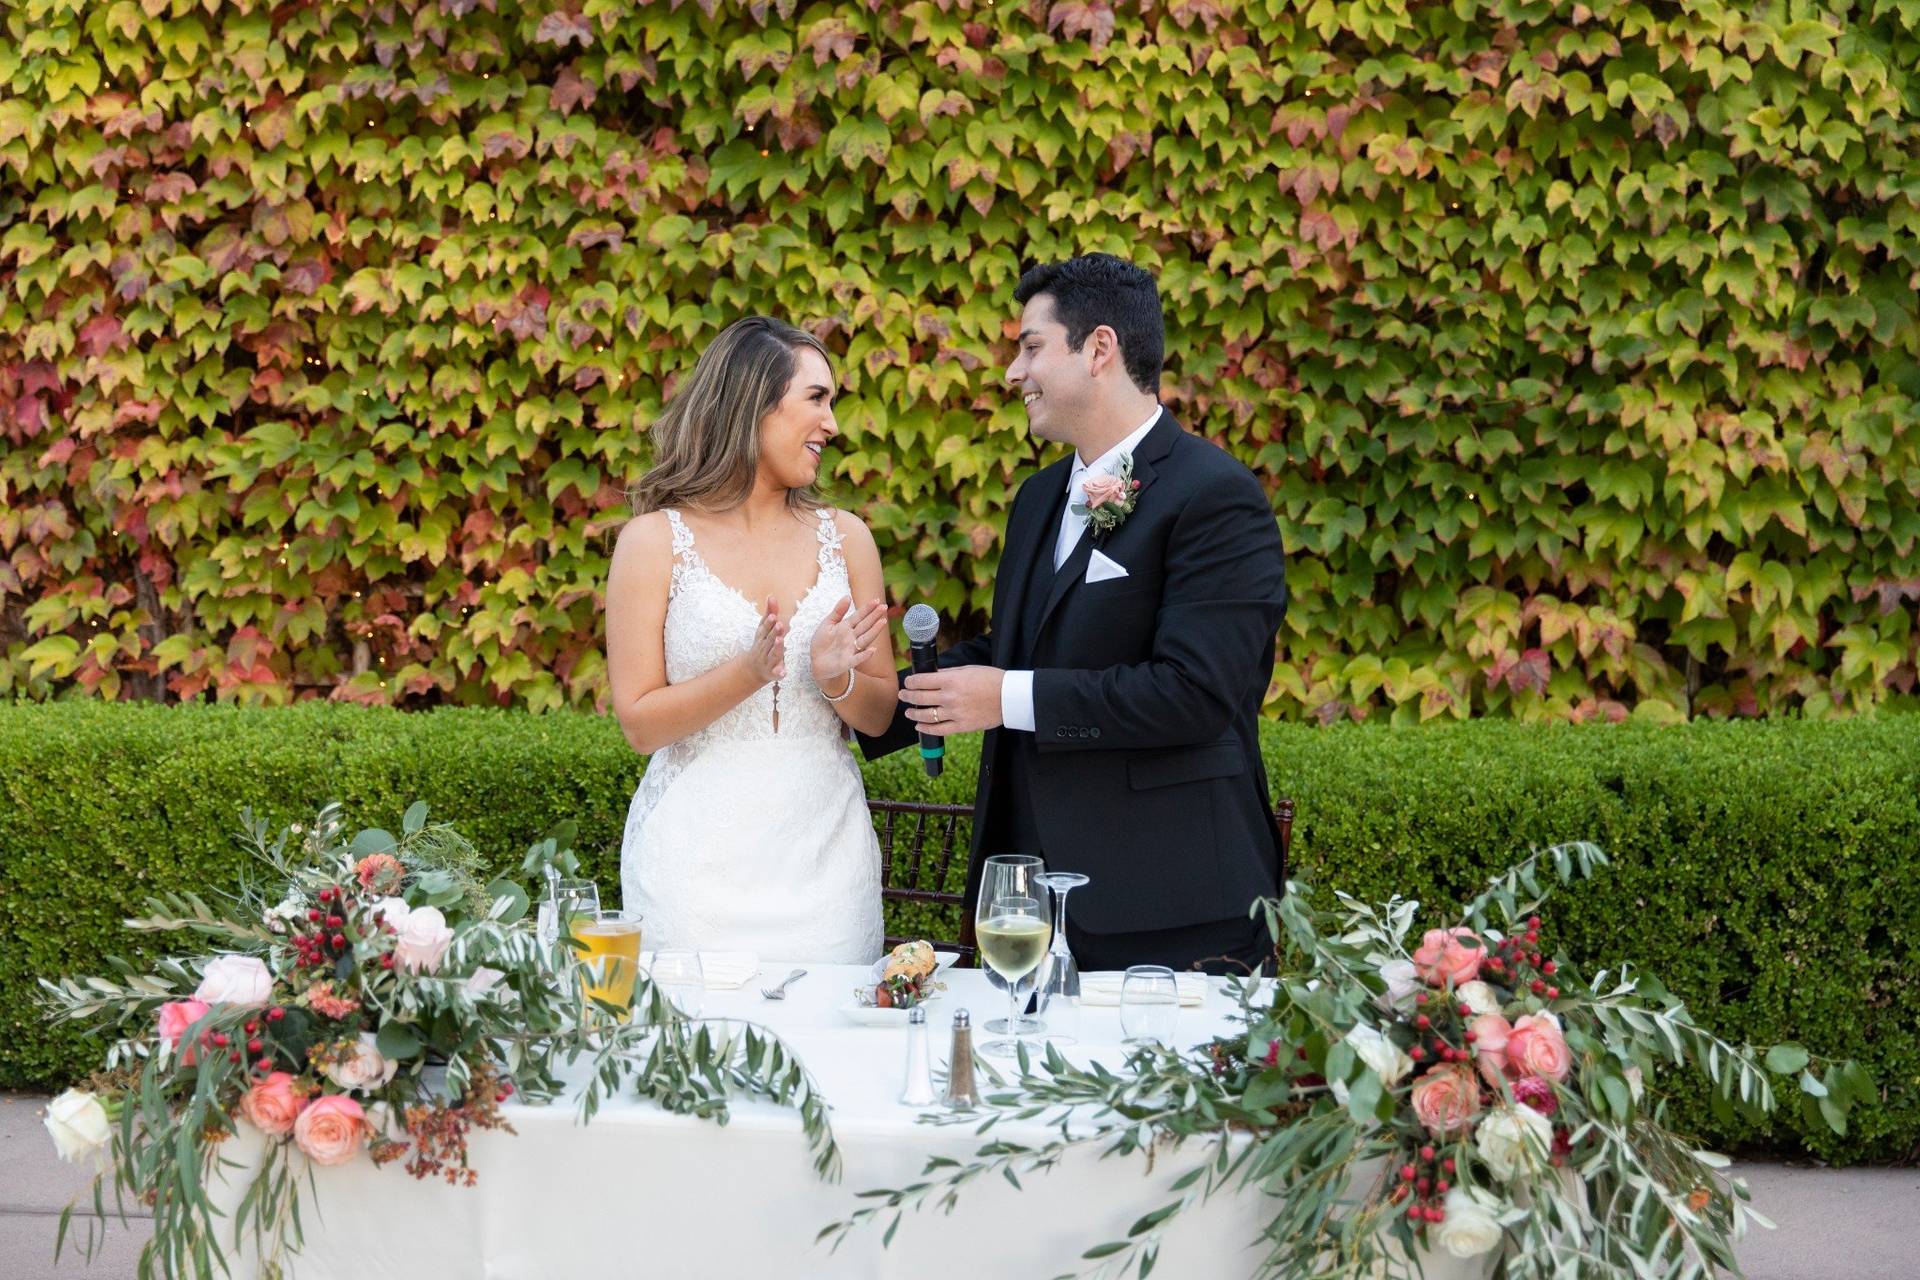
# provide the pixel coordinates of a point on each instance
(956, 700)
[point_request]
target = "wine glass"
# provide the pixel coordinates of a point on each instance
(1060, 973)
(1026, 867)
(1013, 929)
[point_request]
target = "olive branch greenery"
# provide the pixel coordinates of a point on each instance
(1629, 1196)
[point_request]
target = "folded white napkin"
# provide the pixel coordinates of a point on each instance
(725, 970)
(1104, 988)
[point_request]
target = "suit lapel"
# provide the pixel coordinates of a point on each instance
(1031, 533)
(1153, 447)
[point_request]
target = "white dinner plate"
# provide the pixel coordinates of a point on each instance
(873, 1017)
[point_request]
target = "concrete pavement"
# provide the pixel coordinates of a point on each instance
(1835, 1224)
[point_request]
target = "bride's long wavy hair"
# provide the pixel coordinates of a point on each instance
(706, 442)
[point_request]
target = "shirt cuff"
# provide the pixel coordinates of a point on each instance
(1016, 700)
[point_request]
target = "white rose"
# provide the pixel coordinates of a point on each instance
(366, 1069)
(241, 980)
(1383, 1055)
(394, 911)
(1470, 1228)
(1478, 996)
(484, 982)
(79, 1125)
(1513, 1140)
(423, 941)
(1402, 984)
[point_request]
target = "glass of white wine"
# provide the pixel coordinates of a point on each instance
(1013, 926)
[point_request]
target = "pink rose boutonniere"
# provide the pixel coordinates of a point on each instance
(1109, 498)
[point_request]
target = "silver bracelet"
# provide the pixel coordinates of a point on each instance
(844, 693)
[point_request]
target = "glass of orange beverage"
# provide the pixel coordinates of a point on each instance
(609, 954)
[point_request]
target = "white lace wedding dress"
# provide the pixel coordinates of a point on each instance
(753, 833)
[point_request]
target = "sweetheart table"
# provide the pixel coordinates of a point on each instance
(642, 1193)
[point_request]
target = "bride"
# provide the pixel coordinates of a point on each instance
(736, 655)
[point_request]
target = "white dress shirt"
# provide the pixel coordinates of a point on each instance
(1016, 687)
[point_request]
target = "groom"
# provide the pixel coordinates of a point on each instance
(1130, 647)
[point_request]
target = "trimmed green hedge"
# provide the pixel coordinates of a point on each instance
(1763, 870)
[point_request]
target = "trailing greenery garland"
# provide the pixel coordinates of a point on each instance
(1384, 1109)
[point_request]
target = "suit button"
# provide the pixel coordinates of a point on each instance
(1059, 733)
(1094, 732)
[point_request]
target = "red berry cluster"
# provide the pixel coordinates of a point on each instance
(1518, 963)
(1435, 1042)
(1423, 1182)
(259, 1054)
(319, 948)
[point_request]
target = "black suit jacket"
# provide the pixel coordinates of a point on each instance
(1144, 764)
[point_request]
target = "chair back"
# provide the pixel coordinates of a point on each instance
(918, 843)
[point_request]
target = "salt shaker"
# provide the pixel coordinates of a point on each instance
(962, 1095)
(919, 1089)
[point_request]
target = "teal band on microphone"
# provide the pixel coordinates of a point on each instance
(933, 753)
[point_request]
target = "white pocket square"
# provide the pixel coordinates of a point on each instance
(1100, 568)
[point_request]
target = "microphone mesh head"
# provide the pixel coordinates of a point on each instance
(922, 624)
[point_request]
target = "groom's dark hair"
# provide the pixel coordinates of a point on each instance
(1098, 289)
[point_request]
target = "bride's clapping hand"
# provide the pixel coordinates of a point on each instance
(845, 640)
(766, 658)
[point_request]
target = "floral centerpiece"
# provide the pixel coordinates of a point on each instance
(375, 1000)
(1469, 1095)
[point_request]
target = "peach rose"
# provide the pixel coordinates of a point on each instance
(1102, 489)
(1447, 1098)
(1537, 1048)
(175, 1018)
(1491, 1035)
(331, 1130)
(272, 1106)
(1449, 956)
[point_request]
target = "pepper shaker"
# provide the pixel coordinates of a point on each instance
(919, 1088)
(962, 1095)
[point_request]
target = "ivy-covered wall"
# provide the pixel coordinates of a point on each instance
(1577, 343)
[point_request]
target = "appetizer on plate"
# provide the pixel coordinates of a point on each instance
(903, 978)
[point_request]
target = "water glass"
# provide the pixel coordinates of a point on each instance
(565, 900)
(1149, 1005)
(681, 980)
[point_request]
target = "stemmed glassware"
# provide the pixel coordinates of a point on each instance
(1013, 927)
(1060, 974)
(1019, 1024)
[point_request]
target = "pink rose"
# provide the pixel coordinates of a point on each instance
(1491, 1035)
(1447, 1098)
(1102, 489)
(175, 1018)
(1536, 1048)
(423, 940)
(271, 1106)
(331, 1130)
(1449, 956)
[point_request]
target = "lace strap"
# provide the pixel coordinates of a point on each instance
(682, 537)
(830, 539)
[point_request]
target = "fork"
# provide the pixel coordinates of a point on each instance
(780, 992)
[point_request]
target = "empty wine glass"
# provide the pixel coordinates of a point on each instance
(1059, 972)
(565, 899)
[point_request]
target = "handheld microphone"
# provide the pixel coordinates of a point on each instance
(922, 626)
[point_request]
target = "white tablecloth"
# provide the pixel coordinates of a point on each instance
(642, 1193)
